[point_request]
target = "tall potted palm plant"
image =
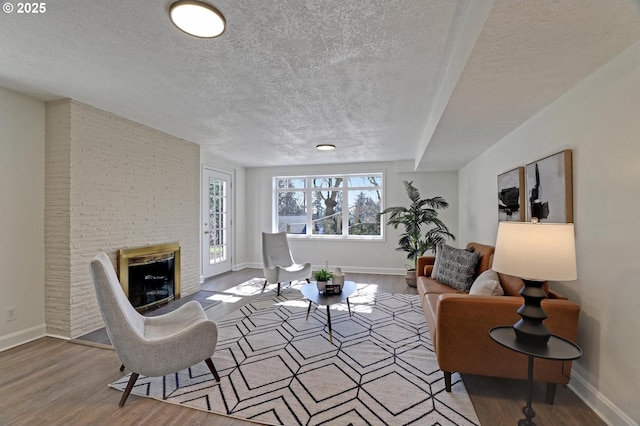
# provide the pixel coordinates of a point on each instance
(422, 228)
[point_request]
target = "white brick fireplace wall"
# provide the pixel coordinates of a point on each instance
(111, 183)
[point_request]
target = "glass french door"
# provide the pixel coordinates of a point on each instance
(216, 240)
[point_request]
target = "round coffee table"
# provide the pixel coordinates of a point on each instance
(311, 293)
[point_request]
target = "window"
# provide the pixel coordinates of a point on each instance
(329, 206)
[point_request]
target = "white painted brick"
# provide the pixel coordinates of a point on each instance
(111, 183)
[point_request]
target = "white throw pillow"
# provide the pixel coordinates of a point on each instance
(487, 284)
(436, 262)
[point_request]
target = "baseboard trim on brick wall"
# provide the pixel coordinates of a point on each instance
(21, 337)
(57, 336)
(601, 405)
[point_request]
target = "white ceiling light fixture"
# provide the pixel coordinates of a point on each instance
(325, 147)
(197, 19)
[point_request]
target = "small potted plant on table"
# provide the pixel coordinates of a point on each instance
(322, 277)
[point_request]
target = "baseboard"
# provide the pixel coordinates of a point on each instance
(345, 269)
(241, 266)
(369, 270)
(23, 336)
(57, 336)
(235, 268)
(601, 405)
(92, 344)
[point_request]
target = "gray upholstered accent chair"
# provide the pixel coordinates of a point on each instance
(278, 263)
(152, 346)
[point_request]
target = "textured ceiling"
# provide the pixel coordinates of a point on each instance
(525, 58)
(435, 82)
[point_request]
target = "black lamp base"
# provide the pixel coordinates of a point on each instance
(530, 330)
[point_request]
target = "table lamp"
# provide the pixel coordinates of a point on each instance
(535, 252)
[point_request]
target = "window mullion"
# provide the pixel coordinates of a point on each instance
(345, 206)
(307, 200)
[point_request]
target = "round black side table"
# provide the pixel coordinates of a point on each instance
(558, 349)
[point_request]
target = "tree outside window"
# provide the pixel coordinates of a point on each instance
(345, 206)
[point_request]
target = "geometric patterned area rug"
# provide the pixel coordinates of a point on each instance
(278, 368)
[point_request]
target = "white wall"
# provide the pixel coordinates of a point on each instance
(355, 256)
(21, 217)
(600, 121)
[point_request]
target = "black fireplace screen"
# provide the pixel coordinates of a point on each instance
(150, 275)
(151, 280)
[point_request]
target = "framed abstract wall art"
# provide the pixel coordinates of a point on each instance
(549, 184)
(511, 196)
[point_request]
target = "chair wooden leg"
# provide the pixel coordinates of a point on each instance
(308, 280)
(278, 289)
(122, 367)
(447, 381)
(551, 392)
(127, 391)
(264, 285)
(213, 369)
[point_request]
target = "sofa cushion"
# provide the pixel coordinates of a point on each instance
(486, 255)
(487, 284)
(457, 267)
(512, 285)
(428, 285)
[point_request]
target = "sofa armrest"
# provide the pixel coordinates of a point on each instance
(463, 323)
(425, 266)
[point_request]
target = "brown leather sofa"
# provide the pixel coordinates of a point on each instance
(459, 324)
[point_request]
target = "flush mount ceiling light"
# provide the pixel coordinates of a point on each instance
(325, 147)
(197, 19)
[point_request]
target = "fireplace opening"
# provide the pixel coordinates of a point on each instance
(150, 276)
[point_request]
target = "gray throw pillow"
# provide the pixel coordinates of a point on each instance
(457, 268)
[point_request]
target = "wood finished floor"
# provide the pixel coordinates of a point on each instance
(51, 381)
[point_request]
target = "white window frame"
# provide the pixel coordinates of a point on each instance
(309, 189)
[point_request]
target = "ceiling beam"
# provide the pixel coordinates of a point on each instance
(472, 25)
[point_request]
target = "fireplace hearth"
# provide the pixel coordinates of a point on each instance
(150, 275)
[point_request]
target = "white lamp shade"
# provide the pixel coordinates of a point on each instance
(536, 251)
